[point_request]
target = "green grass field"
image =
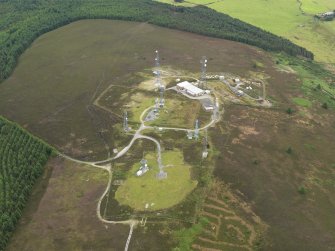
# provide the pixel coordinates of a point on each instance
(138, 191)
(284, 18)
(302, 102)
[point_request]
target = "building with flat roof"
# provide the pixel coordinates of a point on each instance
(190, 89)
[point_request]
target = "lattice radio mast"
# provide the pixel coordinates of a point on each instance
(125, 121)
(205, 144)
(196, 129)
(203, 63)
(158, 81)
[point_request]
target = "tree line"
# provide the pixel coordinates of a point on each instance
(22, 21)
(22, 161)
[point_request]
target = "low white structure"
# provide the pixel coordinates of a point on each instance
(143, 169)
(190, 89)
(240, 93)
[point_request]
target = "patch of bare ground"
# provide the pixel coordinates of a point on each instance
(232, 223)
(61, 214)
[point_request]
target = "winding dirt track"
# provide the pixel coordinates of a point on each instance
(107, 167)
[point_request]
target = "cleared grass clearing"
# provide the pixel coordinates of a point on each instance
(181, 112)
(302, 102)
(138, 191)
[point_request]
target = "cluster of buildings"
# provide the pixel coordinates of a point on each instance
(190, 89)
(195, 91)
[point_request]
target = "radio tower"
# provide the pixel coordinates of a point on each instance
(216, 109)
(203, 63)
(158, 81)
(205, 144)
(156, 105)
(125, 121)
(161, 96)
(196, 129)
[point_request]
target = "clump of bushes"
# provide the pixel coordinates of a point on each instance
(302, 190)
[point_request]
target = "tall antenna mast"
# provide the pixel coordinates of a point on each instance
(203, 63)
(158, 82)
(264, 91)
(156, 105)
(205, 144)
(161, 96)
(216, 109)
(196, 129)
(125, 121)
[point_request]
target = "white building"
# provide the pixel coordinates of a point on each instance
(143, 169)
(190, 89)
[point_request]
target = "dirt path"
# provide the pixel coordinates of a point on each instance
(105, 165)
(129, 236)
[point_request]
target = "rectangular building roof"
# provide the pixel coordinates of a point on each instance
(190, 88)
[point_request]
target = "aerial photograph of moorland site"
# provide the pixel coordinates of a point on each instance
(167, 125)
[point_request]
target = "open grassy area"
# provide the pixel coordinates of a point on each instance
(180, 111)
(302, 102)
(158, 194)
(284, 18)
(317, 84)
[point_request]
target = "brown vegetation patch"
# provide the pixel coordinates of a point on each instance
(232, 222)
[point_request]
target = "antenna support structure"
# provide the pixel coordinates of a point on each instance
(125, 121)
(203, 79)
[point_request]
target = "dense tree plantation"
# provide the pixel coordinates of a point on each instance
(22, 161)
(22, 21)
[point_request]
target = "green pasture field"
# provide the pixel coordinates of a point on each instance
(302, 102)
(286, 19)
